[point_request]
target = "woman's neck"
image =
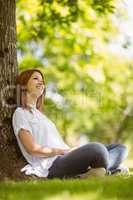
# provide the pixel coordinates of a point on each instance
(31, 100)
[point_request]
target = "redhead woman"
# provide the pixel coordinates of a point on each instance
(46, 153)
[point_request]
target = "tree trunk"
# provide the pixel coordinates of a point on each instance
(10, 157)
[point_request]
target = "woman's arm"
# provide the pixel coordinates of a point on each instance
(37, 150)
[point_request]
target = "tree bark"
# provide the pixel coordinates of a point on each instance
(10, 157)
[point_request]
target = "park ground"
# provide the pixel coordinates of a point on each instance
(116, 187)
(109, 187)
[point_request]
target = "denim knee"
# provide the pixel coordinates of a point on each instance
(123, 151)
(102, 154)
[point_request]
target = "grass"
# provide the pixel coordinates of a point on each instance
(109, 187)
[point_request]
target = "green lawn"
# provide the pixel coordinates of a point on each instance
(111, 187)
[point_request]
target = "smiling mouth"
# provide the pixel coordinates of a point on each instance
(39, 87)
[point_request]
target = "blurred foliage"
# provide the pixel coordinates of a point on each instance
(89, 88)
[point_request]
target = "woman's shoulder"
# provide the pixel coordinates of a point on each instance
(18, 115)
(18, 110)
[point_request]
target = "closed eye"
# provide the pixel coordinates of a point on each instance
(35, 78)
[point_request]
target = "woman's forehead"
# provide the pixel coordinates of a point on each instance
(36, 74)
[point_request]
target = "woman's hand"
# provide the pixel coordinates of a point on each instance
(71, 149)
(58, 151)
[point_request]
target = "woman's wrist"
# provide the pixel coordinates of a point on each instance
(58, 151)
(54, 152)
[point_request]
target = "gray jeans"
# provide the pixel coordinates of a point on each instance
(93, 155)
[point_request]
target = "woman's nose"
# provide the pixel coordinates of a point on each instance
(40, 82)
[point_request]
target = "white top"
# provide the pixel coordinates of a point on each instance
(44, 133)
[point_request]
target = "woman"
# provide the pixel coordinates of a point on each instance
(41, 144)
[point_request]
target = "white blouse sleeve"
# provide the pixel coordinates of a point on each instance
(19, 121)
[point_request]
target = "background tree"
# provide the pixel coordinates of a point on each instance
(70, 41)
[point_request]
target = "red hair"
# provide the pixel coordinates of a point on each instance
(21, 82)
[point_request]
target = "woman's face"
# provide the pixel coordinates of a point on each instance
(35, 85)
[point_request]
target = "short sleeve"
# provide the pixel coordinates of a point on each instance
(19, 121)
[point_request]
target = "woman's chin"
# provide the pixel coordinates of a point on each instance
(39, 94)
